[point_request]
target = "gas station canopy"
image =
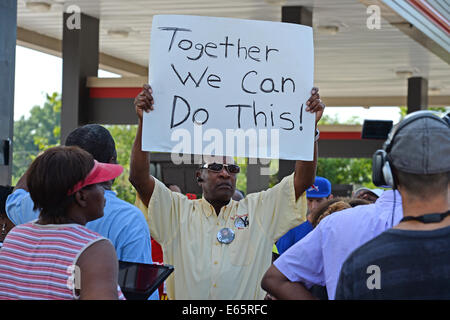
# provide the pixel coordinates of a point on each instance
(351, 59)
(367, 53)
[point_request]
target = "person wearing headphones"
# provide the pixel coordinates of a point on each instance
(316, 259)
(411, 260)
(324, 250)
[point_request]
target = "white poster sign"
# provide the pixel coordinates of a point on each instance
(230, 87)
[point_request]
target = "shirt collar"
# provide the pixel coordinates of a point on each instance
(209, 210)
(110, 192)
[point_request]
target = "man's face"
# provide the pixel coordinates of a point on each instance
(315, 202)
(218, 186)
(366, 195)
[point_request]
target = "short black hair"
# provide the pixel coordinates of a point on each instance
(422, 185)
(96, 140)
(169, 184)
(357, 202)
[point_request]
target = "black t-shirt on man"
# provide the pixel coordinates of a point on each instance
(398, 264)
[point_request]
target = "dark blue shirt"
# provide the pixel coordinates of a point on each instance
(399, 264)
(293, 235)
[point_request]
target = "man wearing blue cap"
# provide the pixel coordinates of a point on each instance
(318, 193)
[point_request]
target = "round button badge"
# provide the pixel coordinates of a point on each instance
(225, 235)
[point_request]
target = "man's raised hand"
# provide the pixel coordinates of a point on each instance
(144, 101)
(315, 104)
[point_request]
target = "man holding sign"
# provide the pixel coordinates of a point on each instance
(220, 247)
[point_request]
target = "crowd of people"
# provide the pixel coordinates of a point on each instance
(63, 229)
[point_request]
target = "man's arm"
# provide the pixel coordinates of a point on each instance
(302, 265)
(140, 176)
(278, 286)
(305, 171)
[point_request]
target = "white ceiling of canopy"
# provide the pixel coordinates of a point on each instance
(355, 61)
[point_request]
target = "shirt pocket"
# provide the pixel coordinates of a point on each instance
(242, 251)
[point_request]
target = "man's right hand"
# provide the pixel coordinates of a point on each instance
(140, 176)
(144, 101)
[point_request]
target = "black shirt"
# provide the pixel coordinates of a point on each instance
(399, 264)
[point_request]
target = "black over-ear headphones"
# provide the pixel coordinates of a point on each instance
(382, 175)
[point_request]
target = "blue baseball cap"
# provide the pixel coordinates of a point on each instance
(320, 189)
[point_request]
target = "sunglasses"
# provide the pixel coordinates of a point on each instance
(217, 167)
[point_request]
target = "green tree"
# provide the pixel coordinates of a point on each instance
(327, 119)
(404, 110)
(124, 137)
(42, 130)
(356, 171)
(241, 179)
(35, 133)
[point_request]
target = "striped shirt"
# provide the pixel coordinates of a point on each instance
(38, 261)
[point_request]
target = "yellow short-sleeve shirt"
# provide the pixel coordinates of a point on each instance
(204, 267)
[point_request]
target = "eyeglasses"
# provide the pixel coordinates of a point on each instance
(217, 167)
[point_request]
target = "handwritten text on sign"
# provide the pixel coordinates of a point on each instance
(230, 87)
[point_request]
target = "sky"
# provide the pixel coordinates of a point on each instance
(39, 73)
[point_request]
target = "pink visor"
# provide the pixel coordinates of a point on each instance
(101, 172)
